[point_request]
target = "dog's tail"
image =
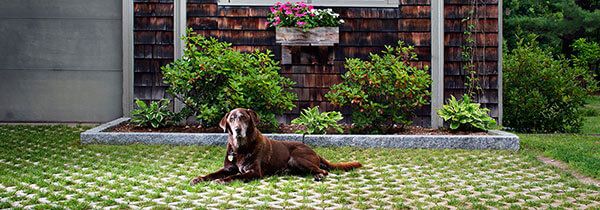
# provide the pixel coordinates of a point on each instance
(346, 166)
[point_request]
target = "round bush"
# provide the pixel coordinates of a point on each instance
(384, 91)
(212, 78)
(543, 94)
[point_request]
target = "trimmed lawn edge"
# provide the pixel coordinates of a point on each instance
(496, 140)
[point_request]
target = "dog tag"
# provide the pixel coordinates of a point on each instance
(230, 157)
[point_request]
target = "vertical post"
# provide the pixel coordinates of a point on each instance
(127, 30)
(437, 61)
(500, 57)
(180, 26)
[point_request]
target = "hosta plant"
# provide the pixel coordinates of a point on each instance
(302, 15)
(155, 115)
(317, 122)
(466, 115)
(383, 91)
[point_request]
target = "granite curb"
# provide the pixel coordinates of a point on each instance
(496, 140)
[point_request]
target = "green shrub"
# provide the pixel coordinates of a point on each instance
(212, 78)
(383, 91)
(155, 115)
(465, 115)
(587, 55)
(543, 93)
(317, 122)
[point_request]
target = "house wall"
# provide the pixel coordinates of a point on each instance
(367, 30)
(61, 61)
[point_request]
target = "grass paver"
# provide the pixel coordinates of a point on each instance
(45, 167)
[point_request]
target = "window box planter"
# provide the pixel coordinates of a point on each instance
(496, 140)
(290, 37)
(320, 36)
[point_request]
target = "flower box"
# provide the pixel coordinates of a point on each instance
(320, 36)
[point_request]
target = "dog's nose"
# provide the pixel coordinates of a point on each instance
(238, 130)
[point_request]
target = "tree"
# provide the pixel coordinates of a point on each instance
(558, 22)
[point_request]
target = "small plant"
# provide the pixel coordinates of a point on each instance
(155, 115)
(384, 91)
(212, 78)
(302, 15)
(317, 122)
(465, 115)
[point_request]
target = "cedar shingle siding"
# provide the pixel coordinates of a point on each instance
(315, 69)
(153, 46)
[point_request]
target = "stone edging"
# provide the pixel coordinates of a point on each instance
(497, 140)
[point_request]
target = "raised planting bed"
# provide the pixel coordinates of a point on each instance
(496, 140)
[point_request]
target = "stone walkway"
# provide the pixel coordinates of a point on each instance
(44, 167)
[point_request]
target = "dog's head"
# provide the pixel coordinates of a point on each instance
(240, 124)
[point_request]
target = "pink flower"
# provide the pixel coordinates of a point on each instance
(273, 10)
(289, 12)
(301, 23)
(300, 15)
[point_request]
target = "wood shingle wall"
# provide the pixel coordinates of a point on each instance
(486, 50)
(315, 69)
(153, 46)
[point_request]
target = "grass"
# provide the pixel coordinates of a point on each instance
(581, 152)
(46, 167)
(592, 116)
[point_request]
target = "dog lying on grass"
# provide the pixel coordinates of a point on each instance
(250, 155)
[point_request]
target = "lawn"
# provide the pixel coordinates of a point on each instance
(44, 167)
(581, 152)
(592, 116)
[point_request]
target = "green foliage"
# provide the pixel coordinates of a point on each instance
(466, 115)
(587, 55)
(155, 115)
(558, 22)
(543, 94)
(212, 78)
(383, 91)
(317, 122)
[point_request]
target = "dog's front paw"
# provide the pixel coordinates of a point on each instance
(196, 180)
(319, 177)
(221, 181)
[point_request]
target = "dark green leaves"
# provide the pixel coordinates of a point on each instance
(383, 91)
(212, 78)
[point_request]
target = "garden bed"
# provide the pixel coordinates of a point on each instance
(492, 140)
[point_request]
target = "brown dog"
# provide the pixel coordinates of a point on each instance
(250, 155)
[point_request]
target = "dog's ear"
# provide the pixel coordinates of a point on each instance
(224, 122)
(255, 118)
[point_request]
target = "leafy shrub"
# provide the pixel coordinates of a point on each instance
(302, 15)
(465, 115)
(317, 122)
(383, 91)
(155, 115)
(587, 55)
(543, 94)
(212, 78)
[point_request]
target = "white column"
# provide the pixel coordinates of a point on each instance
(500, 80)
(180, 26)
(437, 61)
(127, 30)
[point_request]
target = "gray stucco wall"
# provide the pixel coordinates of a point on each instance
(61, 60)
